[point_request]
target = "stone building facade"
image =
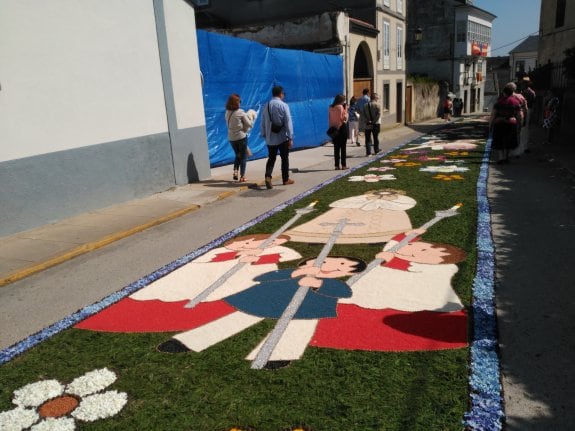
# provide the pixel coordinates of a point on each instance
(455, 39)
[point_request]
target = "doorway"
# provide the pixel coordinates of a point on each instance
(362, 70)
(399, 102)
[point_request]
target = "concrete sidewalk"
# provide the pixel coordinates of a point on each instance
(533, 226)
(26, 253)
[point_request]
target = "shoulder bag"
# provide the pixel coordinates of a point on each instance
(276, 128)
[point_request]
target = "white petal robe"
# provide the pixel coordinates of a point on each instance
(370, 221)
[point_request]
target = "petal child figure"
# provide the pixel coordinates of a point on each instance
(378, 216)
(269, 297)
(160, 306)
(416, 277)
(411, 285)
(191, 279)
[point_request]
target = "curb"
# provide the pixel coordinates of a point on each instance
(85, 248)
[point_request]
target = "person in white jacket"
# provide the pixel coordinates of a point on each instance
(239, 123)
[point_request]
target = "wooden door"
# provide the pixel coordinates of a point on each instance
(360, 84)
(408, 100)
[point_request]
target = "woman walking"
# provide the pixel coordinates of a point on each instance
(238, 123)
(353, 121)
(337, 117)
(504, 120)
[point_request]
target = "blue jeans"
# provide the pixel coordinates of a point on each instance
(240, 148)
(272, 155)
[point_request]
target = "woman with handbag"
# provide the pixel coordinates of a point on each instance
(337, 118)
(239, 122)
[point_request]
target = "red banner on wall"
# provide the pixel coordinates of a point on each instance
(479, 48)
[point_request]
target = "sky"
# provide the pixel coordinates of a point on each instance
(516, 19)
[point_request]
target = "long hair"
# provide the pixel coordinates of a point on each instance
(233, 102)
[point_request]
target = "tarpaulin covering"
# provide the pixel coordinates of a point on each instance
(250, 69)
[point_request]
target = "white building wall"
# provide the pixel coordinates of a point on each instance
(77, 73)
(184, 64)
(100, 103)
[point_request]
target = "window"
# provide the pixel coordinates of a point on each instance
(399, 48)
(560, 13)
(400, 6)
(386, 3)
(385, 45)
(385, 100)
(519, 67)
(478, 32)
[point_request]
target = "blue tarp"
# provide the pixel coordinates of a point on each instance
(232, 65)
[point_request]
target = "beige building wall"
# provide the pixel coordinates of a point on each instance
(391, 76)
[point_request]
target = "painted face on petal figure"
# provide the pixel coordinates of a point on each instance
(421, 252)
(334, 267)
(383, 194)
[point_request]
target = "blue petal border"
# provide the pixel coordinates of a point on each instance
(486, 409)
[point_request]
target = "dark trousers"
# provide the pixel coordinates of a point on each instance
(339, 148)
(284, 155)
(374, 131)
(240, 149)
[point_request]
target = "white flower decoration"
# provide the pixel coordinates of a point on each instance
(49, 405)
(456, 161)
(444, 169)
(392, 160)
(372, 178)
(382, 169)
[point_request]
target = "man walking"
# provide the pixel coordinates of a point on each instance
(372, 114)
(277, 129)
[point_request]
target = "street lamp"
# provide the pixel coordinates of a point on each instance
(418, 34)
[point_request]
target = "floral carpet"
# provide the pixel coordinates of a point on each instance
(365, 303)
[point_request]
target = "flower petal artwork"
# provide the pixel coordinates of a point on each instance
(431, 159)
(447, 177)
(407, 164)
(456, 161)
(372, 178)
(381, 169)
(374, 304)
(444, 169)
(415, 152)
(50, 405)
(441, 145)
(394, 160)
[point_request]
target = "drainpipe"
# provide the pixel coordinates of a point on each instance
(346, 59)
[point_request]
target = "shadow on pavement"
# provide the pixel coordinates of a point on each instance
(533, 223)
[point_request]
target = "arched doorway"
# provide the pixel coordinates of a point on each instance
(362, 70)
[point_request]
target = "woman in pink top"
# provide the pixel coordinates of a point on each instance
(337, 117)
